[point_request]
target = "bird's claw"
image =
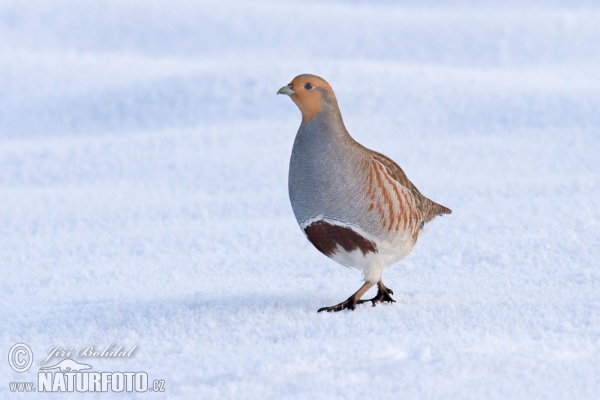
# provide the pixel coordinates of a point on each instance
(349, 304)
(381, 297)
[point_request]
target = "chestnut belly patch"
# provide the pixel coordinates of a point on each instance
(327, 237)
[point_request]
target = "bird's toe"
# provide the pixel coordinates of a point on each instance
(345, 305)
(381, 297)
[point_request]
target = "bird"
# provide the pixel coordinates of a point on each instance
(355, 205)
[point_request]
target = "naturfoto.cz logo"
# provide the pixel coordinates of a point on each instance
(69, 375)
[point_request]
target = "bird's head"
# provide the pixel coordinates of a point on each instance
(309, 92)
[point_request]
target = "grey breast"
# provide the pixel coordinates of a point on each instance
(325, 177)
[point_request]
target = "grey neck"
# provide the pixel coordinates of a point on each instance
(327, 127)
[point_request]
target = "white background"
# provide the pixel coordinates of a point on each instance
(143, 195)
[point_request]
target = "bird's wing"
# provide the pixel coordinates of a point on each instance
(426, 208)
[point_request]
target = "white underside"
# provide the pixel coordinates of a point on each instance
(372, 264)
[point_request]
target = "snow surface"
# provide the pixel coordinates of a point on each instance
(143, 195)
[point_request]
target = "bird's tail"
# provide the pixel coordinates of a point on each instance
(441, 210)
(434, 209)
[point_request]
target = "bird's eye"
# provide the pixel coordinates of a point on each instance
(308, 86)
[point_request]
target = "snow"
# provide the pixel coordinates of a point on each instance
(143, 195)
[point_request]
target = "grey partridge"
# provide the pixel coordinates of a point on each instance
(354, 204)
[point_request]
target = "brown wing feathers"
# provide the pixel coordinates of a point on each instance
(413, 205)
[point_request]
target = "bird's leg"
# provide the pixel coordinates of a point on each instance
(351, 302)
(383, 295)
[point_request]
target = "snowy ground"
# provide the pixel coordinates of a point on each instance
(143, 195)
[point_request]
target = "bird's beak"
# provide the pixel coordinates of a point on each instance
(286, 90)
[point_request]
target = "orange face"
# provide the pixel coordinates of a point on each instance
(306, 91)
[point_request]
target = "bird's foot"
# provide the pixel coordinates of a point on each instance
(383, 296)
(349, 304)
